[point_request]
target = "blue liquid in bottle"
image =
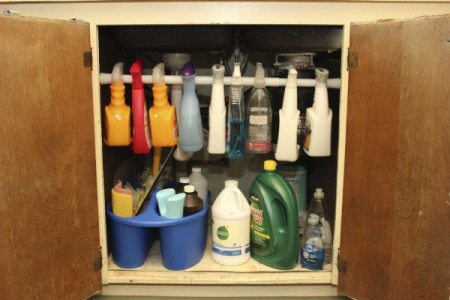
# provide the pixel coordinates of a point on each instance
(236, 117)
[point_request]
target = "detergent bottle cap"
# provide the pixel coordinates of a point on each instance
(188, 69)
(260, 81)
(318, 194)
(116, 74)
(236, 79)
(270, 165)
(158, 74)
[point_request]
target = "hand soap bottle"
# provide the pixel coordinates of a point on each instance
(117, 113)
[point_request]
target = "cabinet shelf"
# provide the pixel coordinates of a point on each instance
(209, 272)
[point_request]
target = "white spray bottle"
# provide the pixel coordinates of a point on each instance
(217, 113)
(318, 119)
(287, 148)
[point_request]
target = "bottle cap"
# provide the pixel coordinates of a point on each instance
(158, 74)
(260, 80)
(236, 79)
(270, 165)
(218, 70)
(196, 170)
(313, 219)
(318, 194)
(321, 75)
(231, 183)
(189, 188)
(292, 78)
(117, 72)
(184, 179)
(188, 69)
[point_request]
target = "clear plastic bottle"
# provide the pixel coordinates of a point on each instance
(325, 229)
(236, 116)
(312, 251)
(259, 116)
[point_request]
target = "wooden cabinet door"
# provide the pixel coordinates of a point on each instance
(48, 199)
(396, 208)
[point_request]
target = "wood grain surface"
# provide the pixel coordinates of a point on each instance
(48, 205)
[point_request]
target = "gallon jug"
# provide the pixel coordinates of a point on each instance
(274, 239)
(231, 226)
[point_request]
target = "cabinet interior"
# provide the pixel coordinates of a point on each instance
(275, 46)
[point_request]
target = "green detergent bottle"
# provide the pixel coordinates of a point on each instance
(274, 239)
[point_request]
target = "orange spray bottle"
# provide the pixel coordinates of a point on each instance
(117, 113)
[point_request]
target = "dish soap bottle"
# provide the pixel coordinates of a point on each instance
(312, 252)
(287, 148)
(259, 116)
(217, 113)
(191, 129)
(231, 226)
(236, 116)
(163, 120)
(318, 119)
(117, 113)
(274, 239)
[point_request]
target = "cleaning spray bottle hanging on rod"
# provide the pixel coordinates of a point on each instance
(287, 148)
(318, 119)
(217, 113)
(141, 138)
(117, 113)
(191, 128)
(236, 116)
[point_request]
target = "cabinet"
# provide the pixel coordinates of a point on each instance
(388, 204)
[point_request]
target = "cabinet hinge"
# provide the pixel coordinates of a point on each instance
(352, 59)
(87, 59)
(341, 264)
(97, 263)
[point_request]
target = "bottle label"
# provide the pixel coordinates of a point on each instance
(230, 239)
(258, 120)
(307, 142)
(312, 255)
(259, 233)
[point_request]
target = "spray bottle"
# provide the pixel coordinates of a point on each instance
(217, 113)
(117, 113)
(236, 116)
(141, 138)
(259, 116)
(318, 119)
(287, 148)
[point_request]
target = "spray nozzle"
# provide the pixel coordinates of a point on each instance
(117, 73)
(236, 79)
(292, 78)
(260, 81)
(136, 74)
(218, 71)
(158, 74)
(322, 75)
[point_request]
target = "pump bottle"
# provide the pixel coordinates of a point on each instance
(318, 119)
(117, 113)
(287, 148)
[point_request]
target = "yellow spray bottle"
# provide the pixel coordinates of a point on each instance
(117, 113)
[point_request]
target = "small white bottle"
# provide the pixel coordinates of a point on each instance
(287, 148)
(217, 113)
(231, 226)
(318, 119)
(200, 183)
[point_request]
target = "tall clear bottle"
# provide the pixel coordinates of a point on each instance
(258, 137)
(236, 116)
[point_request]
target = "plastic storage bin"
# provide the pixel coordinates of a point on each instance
(182, 240)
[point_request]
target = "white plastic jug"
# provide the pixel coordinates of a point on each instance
(231, 226)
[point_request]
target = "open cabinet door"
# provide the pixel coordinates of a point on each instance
(50, 245)
(396, 215)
